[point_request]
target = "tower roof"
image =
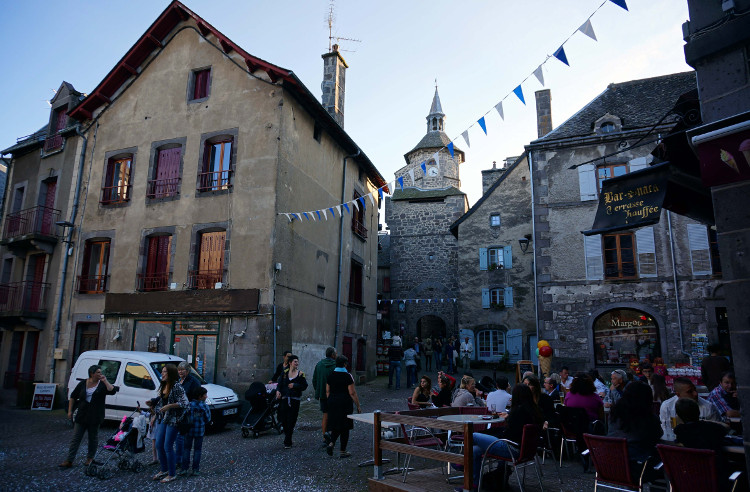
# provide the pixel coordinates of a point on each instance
(436, 108)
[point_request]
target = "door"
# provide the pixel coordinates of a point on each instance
(87, 338)
(34, 290)
(346, 350)
(514, 343)
(532, 349)
(361, 351)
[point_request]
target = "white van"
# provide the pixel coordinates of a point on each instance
(138, 374)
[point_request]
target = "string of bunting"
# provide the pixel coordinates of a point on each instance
(318, 215)
(417, 301)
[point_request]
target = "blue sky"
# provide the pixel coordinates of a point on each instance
(477, 50)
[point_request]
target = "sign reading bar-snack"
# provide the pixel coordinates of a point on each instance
(630, 201)
(44, 396)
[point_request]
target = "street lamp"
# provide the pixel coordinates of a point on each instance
(524, 242)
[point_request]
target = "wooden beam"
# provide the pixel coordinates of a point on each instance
(203, 28)
(226, 46)
(128, 68)
(153, 39)
(101, 97)
(181, 12)
(432, 454)
(251, 65)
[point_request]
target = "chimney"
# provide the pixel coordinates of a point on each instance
(489, 176)
(543, 112)
(334, 79)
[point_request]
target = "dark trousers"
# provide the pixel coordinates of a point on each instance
(288, 416)
(438, 361)
(191, 441)
(78, 430)
(179, 446)
(428, 362)
(344, 434)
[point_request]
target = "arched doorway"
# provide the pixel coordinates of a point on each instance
(430, 326)
(621, 335)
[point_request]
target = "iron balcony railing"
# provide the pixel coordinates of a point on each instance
(24, 297)
(92, 284)
(35, 220)
(359, 229)
(115, 194)
(150, 282)
(53, 143)
(215, 181)
(162, 188)
(204, 279)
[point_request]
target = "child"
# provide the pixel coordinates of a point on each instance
(201, 416)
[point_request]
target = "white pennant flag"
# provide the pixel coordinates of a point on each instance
(391, 301)
(465, 134)
(372, 198)
(287, 216)
(356, 204)
(312, 214)
(499, 108)
(441, 301)
(411, 175)
(587, 29)
(437, 161)
(429, 301)
(539, 75)
(338, 209)
(299, 215)
(325, 215)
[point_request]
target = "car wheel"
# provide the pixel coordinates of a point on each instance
(245, 433)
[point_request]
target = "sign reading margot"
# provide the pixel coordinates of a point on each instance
(630, 201)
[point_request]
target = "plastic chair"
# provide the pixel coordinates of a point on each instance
(420, 437)
(412, 406)
(526, 455)
(691, 470)
(545, 447)
(612, 463)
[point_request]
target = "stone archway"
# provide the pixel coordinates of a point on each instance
(430, 326)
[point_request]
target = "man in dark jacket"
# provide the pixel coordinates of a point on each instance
(323, 369)
(395, 354)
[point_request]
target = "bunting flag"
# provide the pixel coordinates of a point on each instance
(401, 182)
(305, 214)
(380, 193)
(318, 212)
(346, 207)
(362, 201)
(499, 108)
(560, 55)
(465, 134)
(356, 205)
(411, 175)
(333, 215)
(587, 29)
(450, 147)
(325, 215)
(312, 215)
(620, 3)
(299, 216)
(482, 124)
(519, 92)
(372, 198)
(424, 167)
(287, 217)
(539, 75)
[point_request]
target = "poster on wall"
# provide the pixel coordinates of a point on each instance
(153, 344)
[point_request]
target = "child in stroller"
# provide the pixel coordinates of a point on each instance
(263, 414)
(123, 446)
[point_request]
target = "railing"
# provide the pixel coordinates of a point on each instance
(52, 143)
(35, 220)
(359, 228)
(12, 378)
(162, 188)
(28, 297)
(204, 279)
(115, 194)
(92, 284)
(214, 181)
(153, 282)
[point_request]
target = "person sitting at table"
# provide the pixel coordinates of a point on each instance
(523, 411)
(619, 382)
(421, 394)
(582, 394)
(684, 388)
(543, 401)
(444, 397)
(466, 395)
(552, 386)
(601, 387)
(565, 379)
(724, 396)
(500, 399)
(659, 388)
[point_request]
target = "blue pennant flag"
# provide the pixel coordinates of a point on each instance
(380, 193)
(450, 149)
(482, 123)
(305, 214)
(424, 168)
(519, 92)
(362, 201)
(401, 183)
(332, 214)
(620, 3)
(560, 55)
(318, 212)
(346, 206)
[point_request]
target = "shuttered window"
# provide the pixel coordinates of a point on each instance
(210, 261)
(355, 283)
(619, 256)
(700, 250)
(93, 278)
(587, 182)
(609, 171)
(156, 274)
(499, 257)
(644, 238)
(117, 181)
(216, 170)
(497, 298)
(167, 175)
(201, 83)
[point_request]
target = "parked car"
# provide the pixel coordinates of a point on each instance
(138, 374)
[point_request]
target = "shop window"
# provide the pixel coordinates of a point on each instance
(622, 335)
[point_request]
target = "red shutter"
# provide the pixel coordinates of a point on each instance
(62, 119)
(151, 255)
(167, 172)
(49, 203)
(86, 260)
(201, 84)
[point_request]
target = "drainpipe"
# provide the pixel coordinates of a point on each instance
(68, 242)
(341, 251)
(533, 246)
(676, 289)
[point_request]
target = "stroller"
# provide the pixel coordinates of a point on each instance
(264, 410)
(123, 446)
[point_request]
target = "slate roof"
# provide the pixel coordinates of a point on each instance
(638, 103)
(417, 194)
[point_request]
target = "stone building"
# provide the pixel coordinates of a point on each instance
(191, 150)
(423, 252)
(607, 298)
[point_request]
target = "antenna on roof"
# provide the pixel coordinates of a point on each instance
(331, 20)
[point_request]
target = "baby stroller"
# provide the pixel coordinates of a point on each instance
(264, 410)
(122, 446)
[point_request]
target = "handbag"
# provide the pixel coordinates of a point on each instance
(186, 422)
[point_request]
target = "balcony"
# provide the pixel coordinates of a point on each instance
(359, 229)
(22, 299)
(204, 279)
(27, 228)
(214, 181)
(162, 188)
(112, 195)
(53, 143)
(92, 284)
(153, 282)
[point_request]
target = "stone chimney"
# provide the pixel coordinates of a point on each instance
(489, 176)
(543, 112)
(334, 80)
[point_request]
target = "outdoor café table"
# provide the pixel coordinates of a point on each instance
(369, 418)
(476, 419)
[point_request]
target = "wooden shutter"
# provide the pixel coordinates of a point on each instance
(644, 239)
(508, 296)
(700, 253)
(592, 246)
(486, 298)
(151, 255)
(639, 163)
(162, 259)
(86, 259)
(483, 258)
(62, 119)
(212, 251)
(201, 84)
(587, 182)
(507, 256)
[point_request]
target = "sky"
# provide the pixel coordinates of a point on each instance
(478, 51)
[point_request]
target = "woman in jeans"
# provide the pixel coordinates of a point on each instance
(291, 385)
(170, 404)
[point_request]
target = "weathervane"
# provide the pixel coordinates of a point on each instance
(331, 37)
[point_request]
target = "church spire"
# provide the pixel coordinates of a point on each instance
(436, 118)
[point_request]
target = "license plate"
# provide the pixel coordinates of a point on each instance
(229, 411)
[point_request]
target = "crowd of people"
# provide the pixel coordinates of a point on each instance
(448, 352)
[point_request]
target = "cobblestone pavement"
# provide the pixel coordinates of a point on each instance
(33, 443)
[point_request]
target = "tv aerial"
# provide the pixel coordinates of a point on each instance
(331, 19)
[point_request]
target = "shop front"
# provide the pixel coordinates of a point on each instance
(623, 336)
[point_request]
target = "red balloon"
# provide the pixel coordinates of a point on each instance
(545, 351)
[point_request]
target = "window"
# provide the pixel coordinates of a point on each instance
(358, 218)
(491, 345)
(609, 171)
(713, 246)
(200, 84)
(166, 173)
(158, 256)
(59, 121)
(495, 258)
(497, 298)
(110, 368)
(700, 249)
(355, 283)
(210, 269)
(93, 278)
(622, 335)
(117, 185)
(607, 127)
(619, 257)
(216, 172)
(386, 284)
(137, 376)
(495, 220)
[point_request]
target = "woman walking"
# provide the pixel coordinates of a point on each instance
(341, 396)
(291, 385)
(89, 395)
(169, 404)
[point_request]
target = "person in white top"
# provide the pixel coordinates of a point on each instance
(500, 398)
(684, 388)
(467, 349)
(565, 378)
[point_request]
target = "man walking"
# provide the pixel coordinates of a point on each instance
(395, 354)
(323, 369)
(467, 349)
(427, 345)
